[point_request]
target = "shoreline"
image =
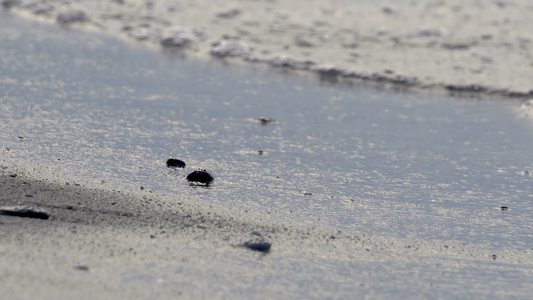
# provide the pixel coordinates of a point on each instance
(413, 47)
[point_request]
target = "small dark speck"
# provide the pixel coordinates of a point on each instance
(504, 208)
(152, 236)
(142, 188)
(82, 268)
(13, 175)
(265, 121)
(21, 138)
(260, 152)
(29, 196)
(494, 256)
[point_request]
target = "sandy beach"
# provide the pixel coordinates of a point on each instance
(399, 168)
(99, 244)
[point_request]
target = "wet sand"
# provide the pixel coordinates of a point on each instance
(117, 244)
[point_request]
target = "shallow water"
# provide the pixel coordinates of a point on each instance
(85, 108)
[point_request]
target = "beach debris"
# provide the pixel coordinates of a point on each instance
(175, 163)
(25, 213)
(264, 120)
(504, 208)
(72, 13)
(178, 36)
(258, 243)
(201, 177)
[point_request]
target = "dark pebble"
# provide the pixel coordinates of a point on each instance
(175, 163)
(200, 176)
(25, 213)
(258, 246)
(258, 243)
(265, 121)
